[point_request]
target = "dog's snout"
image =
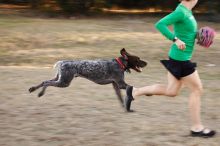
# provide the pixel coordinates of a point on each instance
(143, 63)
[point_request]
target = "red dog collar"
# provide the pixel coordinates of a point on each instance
(120, 63)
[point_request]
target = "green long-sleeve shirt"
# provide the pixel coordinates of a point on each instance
(185, 28)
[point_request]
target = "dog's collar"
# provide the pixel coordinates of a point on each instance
(119, 61)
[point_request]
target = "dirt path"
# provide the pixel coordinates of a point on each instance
(89, 114)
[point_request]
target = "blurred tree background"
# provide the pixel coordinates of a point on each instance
(88, 6)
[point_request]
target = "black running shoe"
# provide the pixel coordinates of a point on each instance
(128, 98)
(205, 133)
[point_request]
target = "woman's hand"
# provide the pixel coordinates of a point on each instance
(180, 44)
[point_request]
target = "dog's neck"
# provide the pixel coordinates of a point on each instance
(123, 63)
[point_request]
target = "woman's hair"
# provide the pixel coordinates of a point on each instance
(184, 0)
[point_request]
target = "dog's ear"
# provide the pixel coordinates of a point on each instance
(124, 53)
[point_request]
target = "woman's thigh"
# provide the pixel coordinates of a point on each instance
(193, 81)
(174, 85)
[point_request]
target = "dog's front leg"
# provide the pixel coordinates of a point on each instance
(118, 92)
(122, 84)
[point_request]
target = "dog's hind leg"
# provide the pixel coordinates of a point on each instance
(32, 89)
(62, 82)
(42, 91)
(118, 92)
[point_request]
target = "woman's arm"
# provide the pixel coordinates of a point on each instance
(162, 25)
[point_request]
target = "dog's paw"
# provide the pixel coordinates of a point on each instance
(32, 89)
(130, 111)
(40, 94)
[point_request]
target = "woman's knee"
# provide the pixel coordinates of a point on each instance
(171, 93)
(198, 90)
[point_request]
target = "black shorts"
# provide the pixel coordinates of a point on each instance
(179, 69)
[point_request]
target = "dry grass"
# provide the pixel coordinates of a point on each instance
(71, 116)
(26, 41)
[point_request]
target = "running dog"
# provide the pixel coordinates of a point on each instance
(99, 71)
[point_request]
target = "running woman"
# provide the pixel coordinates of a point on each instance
(180, 69)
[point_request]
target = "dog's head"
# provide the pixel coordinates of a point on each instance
(133, 62)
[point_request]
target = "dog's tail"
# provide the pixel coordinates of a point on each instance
(57, 66)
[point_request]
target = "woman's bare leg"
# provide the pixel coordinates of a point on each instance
(194, 83)
(171, 89)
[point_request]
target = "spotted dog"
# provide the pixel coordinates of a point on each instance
(99, 71)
